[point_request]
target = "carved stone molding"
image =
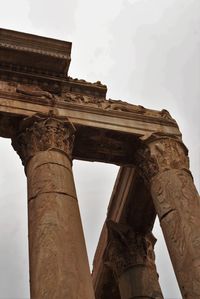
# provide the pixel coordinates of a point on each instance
(41, 134)
(161, 153)
(22, 50)
(127, 248)
(48, 93)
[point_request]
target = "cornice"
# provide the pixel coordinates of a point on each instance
(10, 45)
(31, 53)
(27, 58)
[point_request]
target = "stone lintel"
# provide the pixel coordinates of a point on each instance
(106, 130)
(130, 200)
(93, 111)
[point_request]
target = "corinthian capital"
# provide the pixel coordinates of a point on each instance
(127, 248)
(39, 133)
(159, 153)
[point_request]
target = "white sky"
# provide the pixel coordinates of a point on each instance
(147, 52)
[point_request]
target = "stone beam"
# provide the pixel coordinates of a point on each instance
(95, 112)
(107, 130)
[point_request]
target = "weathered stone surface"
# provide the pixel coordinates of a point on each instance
(131, 257)
(37, 134)
(160, 153)
(164, 163)
(39, 107)
(58, 260)
(21, 51)
(129, 202)
(83, 110)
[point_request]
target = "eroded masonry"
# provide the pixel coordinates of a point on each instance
(53, 119)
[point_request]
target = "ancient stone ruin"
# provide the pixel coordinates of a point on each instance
(53, 119)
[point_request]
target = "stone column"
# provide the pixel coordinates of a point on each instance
(130, 256)
(163, 162)
(58, 260)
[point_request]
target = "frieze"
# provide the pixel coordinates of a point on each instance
(36, 92)
(100, 102)
(113, 105)
(32, 50)
(13, 78)
(45, 93)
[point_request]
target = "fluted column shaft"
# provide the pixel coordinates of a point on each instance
(130, 256)
(58, 260)
(163, 162)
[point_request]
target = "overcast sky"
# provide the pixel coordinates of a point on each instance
(147, 53)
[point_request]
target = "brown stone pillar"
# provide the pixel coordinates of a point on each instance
(58, 260)
(131, 257)
(163, 162)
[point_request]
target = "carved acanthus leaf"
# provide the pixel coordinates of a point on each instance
(40, 134)
(127, 248)
(161, 153)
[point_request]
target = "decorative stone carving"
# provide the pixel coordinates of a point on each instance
(9, 45)
(58, 260)
(8, 86)
(127, 248)
(113, 105)
(27, 90)
(164, 165)
(16, 85)
(130, 255)
(161, 153)
(98, 102)
(40, 134)
(24, 50)
(53, 94)
(97, 84)
(34, 91)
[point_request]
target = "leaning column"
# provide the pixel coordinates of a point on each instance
(163, 162)
(130, 255)
(58, 260)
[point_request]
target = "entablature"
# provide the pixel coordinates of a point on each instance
(32, 81)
